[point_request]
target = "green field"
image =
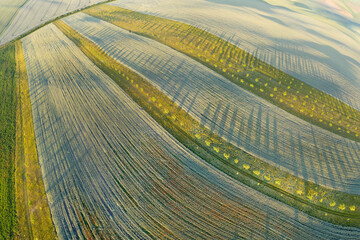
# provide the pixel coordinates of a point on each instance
(242, 68)
(7, 140)
(332, 206)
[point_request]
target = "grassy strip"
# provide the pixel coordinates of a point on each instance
(23, 222)
(242, 68)
(333, 206)
(7, 141)
(33, 213)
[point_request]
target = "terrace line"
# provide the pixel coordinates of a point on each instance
(238, 116)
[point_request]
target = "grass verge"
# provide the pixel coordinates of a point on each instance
(242, 68)
(33, 213)
(332, 206)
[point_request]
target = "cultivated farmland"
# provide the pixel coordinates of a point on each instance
(242, 69)
(32, 210)
(35, 13)
(179, 119)
(310, 47)
(234, 114)
(309, 197)
(123, 176)
(8, 10)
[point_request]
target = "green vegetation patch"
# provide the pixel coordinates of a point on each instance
(333, 206)
(242, 68)
(7, 140)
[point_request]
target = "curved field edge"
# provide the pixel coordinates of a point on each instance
(33, 213)
(240, 67)
(7, 141)
(332, 206)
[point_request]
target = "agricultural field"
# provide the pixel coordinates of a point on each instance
(115, 176)
(303, 43)
(234, 114)
(200, 119)
(306, 196)
(334, 10)
(8, 10)
(22, 201)
(32, 209)
(34, 13)
(242, 69)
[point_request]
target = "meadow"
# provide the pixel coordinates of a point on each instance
(316, 200)
(242, 68)
(7, 140)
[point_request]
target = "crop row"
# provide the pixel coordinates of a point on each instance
(241, 68)
(238, 116)
(324, 203)
(111, 171)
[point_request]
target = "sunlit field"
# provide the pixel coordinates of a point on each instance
(198, 119)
